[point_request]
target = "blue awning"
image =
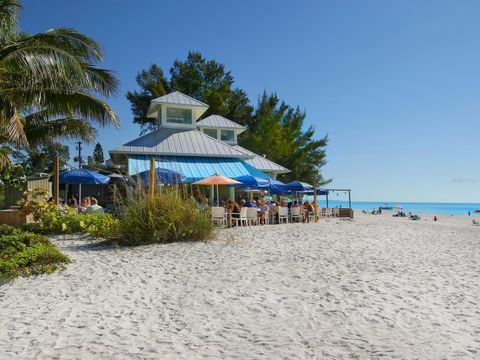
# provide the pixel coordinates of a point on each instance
(195, 168)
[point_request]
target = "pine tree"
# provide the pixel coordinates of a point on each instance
(98, 154)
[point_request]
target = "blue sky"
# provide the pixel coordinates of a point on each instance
(395, 84)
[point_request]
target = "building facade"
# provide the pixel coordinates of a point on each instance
(191, 147)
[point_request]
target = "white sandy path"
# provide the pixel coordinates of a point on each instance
(376, 287)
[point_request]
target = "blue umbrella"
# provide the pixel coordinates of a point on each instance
(278, 187)
(252, 181)
(298, 186)
(81, 176)
(319, 191)
(163, 175)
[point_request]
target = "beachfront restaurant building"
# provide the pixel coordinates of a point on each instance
(191, 147)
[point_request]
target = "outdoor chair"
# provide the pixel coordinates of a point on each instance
(336, 212)
(311, 216)
(476, 222)
(267, 218)
(252, 218)
(242, 220)
(295, 214)
(219, 216)
(283, 215)
(328, 212)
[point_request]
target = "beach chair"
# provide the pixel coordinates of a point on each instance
(242, 220)
(295, 214)
(252, 217)
(475, 222)
(283, 215)
(336, 212)
(219, 216)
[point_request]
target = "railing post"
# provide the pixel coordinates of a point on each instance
(152, 179)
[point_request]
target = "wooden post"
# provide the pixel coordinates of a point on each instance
(349, 199)
(56, 184)
(152, 179)
(326, 198)
(315, 203)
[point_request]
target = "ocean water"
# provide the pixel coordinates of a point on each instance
(413, 207)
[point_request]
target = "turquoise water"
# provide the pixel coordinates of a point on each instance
(414, 207)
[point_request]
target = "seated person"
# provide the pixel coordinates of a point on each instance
(84, 204)
(243, 203)
(263, 211)
(251, 204)
(204, 204)
(94, 208)
(309, 209)
(284, 203)
(234, 210)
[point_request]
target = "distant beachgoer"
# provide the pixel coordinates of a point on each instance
(468, 212)
(435, 218)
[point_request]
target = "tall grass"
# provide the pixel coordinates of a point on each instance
(165, 217)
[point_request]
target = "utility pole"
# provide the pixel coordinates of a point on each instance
(79, 154)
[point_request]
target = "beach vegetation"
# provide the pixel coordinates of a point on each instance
(51, 219)
(24, 253)
(165, 217)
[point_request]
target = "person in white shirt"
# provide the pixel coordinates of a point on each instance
(94, 208)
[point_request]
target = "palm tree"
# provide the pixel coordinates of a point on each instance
(50, 87)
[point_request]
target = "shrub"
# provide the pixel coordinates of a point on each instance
(166, 217)
(53, 222)
(25, 253)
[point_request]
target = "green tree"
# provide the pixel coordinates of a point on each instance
(50, 87)
(40, 158)
(205, 80)
(277, 131)
(98, 157)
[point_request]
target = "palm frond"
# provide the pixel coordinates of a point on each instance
(5, 161)
(15, 130)
(59, 129)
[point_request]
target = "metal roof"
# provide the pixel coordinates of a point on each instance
(262, 163)
(180, 99)
(179, 142)
(217, 121)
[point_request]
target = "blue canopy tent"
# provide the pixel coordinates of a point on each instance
(81, 176)
(165, 176)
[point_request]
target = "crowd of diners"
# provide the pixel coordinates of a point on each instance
(88, 205)
(267, 207)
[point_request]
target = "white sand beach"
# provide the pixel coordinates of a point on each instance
(374, 287)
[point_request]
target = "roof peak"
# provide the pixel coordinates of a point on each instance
(179, 98)
(219, 121)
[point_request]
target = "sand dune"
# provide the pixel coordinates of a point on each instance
(375, 287)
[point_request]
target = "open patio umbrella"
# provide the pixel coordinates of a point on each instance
(277, 187)
(299, 186)
(217, 179)
(252, 181)
(81, 176)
